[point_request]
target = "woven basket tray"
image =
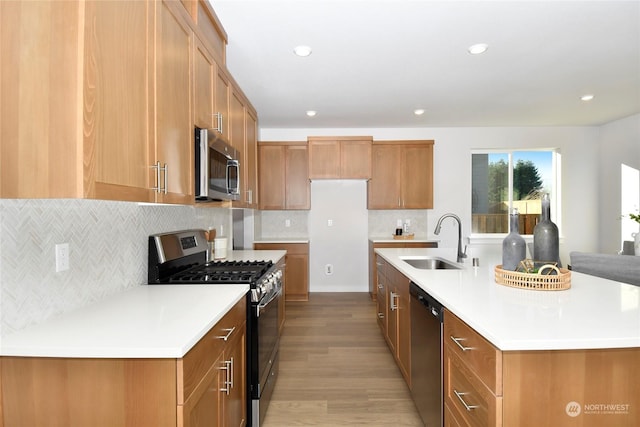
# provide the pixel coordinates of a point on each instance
(536, 281)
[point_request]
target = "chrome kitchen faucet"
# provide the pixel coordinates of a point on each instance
(461, 255)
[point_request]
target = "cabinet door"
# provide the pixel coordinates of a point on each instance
(298, 191)
(271, 168)
(404, 326)
(417, 177)
(237, 140)
(222, 101)
(392, 315)
(324, 159)
(355, 159)
(235, 406)
(206, 410)
(251, 149)
(115, 105)
(381, 303)
(204, 72)
(297, 277)
(383, 189)
(174, 134)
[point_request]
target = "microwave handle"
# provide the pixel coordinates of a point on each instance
(203, 176)
(233, 164)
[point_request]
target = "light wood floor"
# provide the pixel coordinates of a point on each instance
(336, 368)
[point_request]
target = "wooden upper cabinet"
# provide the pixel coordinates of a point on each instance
(174, 128)
(222, 103)
(340, 157)
(251, 158)
(118, 88)
(271, 164)
(116, 85)
(40, 100)
(298, 190)
(283, 176)
(417, 176)
(402, 175)
(204, 72)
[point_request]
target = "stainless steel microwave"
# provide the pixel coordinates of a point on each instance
(217, 168)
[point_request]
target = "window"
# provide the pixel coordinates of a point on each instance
(505, 179)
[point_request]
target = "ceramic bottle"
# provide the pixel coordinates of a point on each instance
(546, 242)
(514, 248)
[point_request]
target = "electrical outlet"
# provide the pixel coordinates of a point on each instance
(329, 223)
(328, 269)
(287, 223)
(62, 257)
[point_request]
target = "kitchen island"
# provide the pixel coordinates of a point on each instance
(531, 358)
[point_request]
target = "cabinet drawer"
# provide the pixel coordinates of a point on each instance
(467, 396)
(451, 420)
(481, 356)
(193, 367)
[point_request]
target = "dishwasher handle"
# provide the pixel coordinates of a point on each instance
(427, 301)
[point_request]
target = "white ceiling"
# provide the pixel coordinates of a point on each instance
(375, 61)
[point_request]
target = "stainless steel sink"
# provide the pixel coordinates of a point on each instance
(431, 263)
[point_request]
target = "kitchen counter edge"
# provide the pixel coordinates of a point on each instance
(594, 313)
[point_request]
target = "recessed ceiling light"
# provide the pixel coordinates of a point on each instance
(479, 48)
(311, 113)
(587, 97)
(302, 50)
(418, 112)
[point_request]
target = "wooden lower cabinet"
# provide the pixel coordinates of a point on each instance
(186, 392)
(394, 317)
(484, 386)
(373, 267)
(296, 279)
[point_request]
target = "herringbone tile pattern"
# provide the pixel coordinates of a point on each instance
(108, 251)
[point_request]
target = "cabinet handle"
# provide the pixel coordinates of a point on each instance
(380, 286)
(227, 368)
(250, 196)
(232, 374)
(166, 178)
(392, 305)
(229, 332)
(380, 315)
(218, 120)
(379, 264)
(466, 405)
(158, 188)
(457, 341)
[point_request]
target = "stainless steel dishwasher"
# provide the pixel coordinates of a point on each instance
(426, 356)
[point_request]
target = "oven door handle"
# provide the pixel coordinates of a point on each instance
(260, 307)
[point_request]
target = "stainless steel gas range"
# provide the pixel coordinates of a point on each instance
(181, 258)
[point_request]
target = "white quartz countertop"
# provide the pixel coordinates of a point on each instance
(147, 321)
(292, 240)
(593, 313)
(390, 239)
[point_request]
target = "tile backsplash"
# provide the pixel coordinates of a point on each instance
(107, 250)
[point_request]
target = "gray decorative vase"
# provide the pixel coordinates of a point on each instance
(546, 243)
(514, 248)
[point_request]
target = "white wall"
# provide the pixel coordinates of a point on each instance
(620, 143)
(452, 174)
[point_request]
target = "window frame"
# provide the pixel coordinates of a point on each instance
(554, 193)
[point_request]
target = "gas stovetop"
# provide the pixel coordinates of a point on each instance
(243, 272)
